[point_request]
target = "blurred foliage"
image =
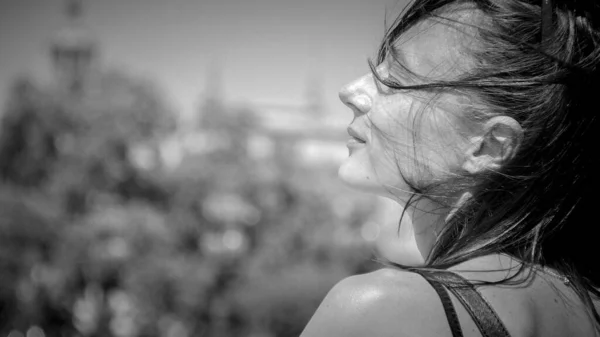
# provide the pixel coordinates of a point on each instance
(225, 245)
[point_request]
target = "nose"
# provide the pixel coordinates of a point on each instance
(357, 94)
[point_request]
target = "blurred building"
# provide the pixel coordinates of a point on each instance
(305, 132)
(121, 107)
(73, 52)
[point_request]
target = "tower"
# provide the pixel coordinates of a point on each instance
(214, 82)
(314, 96)
(314, 85)
(212, 105)
(73, 51)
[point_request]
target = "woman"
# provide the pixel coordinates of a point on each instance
(479, 119)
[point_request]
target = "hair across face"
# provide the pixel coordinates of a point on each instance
(445, 70)
(412, 136)
(500, 66)
(540, 199)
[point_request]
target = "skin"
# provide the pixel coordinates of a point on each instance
(392, 302)
(389, 120)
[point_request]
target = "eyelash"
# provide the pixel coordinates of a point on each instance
(389, 80)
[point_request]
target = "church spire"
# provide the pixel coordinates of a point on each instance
(314, 82)
(214, 82)
(73, 51)
(314, 95)
(74, 10)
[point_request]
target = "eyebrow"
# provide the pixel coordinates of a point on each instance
(399, 54)
(399, 57)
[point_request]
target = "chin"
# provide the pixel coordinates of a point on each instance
(359, 177)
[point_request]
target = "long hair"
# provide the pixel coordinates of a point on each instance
(540, 206)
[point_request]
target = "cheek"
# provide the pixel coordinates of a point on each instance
(440, 144)
(392, 146)
(415, 144)
(387, 159)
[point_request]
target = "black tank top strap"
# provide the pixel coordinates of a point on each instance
(481, 311)
(448, 306)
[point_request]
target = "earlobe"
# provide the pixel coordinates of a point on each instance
(497, 144)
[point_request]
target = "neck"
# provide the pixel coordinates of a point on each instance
(424, 220)
(411, 243)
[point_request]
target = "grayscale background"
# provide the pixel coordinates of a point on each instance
(169, 168)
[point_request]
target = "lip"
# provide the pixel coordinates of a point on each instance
(356, 136)
(354, 143)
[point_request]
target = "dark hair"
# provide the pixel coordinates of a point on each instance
(538, 207)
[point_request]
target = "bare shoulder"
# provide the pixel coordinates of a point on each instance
(386, 302)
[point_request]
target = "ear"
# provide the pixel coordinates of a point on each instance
(497, 143)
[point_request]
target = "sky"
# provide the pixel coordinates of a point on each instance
(262, 51)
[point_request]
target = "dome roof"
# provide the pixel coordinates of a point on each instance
(74, 37)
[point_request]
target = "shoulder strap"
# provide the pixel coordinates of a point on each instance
(448, 306)
(480, 310)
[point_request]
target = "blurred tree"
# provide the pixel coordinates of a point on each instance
(116, 113)
(226, 244)
(79, 149)
(30, 232)
(29, 132)
(61, 157)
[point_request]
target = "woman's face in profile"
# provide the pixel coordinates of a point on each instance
(405, 133)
